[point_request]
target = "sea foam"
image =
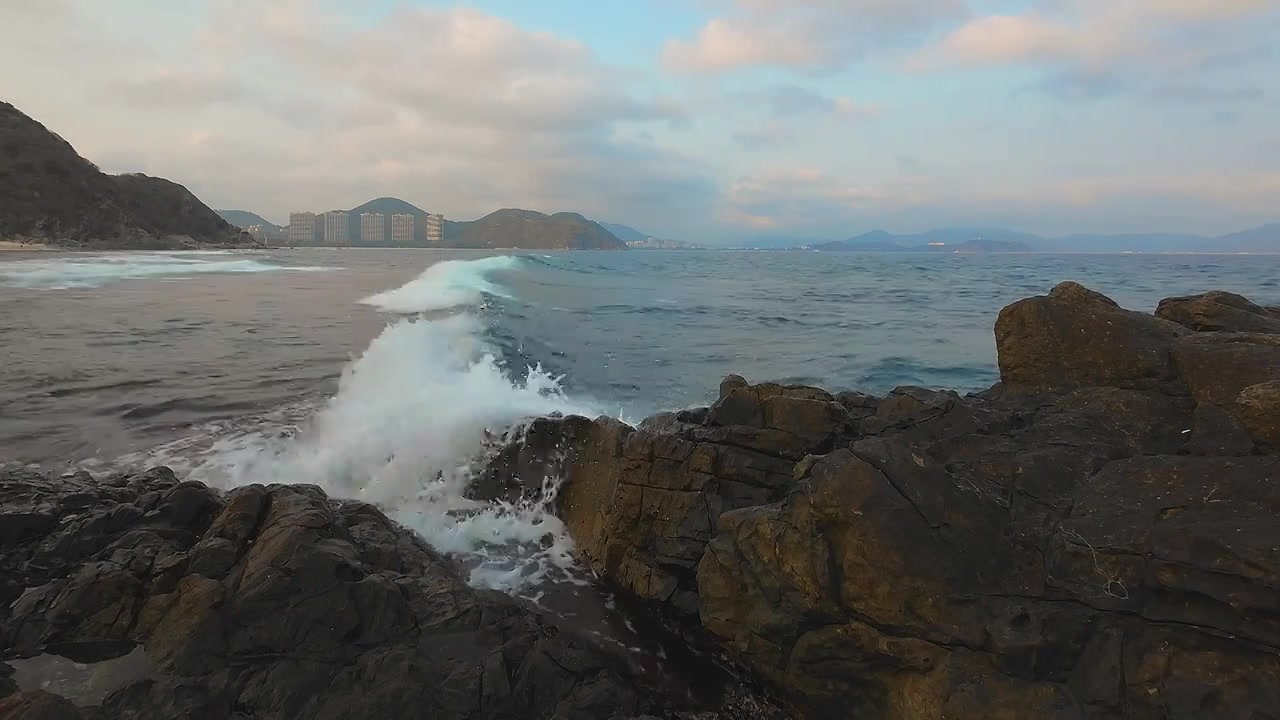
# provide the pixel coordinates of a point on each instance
(91, 271)
(408, 420)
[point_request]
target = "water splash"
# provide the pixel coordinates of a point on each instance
(405, 427)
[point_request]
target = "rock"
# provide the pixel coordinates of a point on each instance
(642, 506)
(1074, 337)
(730, 384)
(886, 586)
(279, 602)
(1216, 367)
(1217, 432)
(38, 705)
(1258, 407)
(538, 451)
(1219, 311)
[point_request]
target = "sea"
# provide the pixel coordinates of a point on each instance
(378, 373)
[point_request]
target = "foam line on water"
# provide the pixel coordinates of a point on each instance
(91, 271)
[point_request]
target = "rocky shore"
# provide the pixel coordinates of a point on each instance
(1094, 537)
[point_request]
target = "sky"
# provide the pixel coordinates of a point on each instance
(702, 120)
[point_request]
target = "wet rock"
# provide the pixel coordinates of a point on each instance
(1258, 407)
(1074, 337)
(538, 452)
(280, 602)
(1219, 311)
(38, 705)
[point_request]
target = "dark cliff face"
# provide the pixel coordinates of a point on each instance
(534, 231)
(49, 194)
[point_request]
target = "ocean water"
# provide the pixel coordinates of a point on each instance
(378, 374)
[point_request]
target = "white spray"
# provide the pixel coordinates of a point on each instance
(408, 417)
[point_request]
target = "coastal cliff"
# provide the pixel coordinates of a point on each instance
(1093, 537)
(50, 195)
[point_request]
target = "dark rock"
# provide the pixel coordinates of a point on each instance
(1258, 407)
(1216, 367)
(730, 384)
(1217, 432)
(887, 587)
(642, 506)
(539, 450)
(1074, 337)
(279, 602)
(1219, 311)
(38, 705)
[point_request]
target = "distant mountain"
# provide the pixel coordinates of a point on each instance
(624, 233)
(1261, 239)
(1138, 242)
(513, 228)
(49, 194)
(244, 219)
(660, 244)
(973, 240)
(778, 242)
(388, 206)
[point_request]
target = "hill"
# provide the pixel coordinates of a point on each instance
(513, 228)
(1260, 239)
(624, 233)
(244, 219)
(50, 194)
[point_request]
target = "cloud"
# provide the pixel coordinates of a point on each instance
(806, 35)
(791, 100)
(291, 105)
(813, 200)
(1094, 48)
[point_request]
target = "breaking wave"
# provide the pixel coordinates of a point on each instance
(410, 417)
(91, 271)
(446, 285)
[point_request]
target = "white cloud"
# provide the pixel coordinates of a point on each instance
(807, 35)
(1094, 34)
(283, 105)
(811, 198)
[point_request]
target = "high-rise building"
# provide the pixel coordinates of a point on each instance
(373, 228)
(435, 229)
(302, 228)
(337, 228)
(402, 227)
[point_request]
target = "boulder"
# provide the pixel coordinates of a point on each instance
(1258, 407)
(642, 505)
(1219, 311)
(1074, 337)
(1216, 367)
(886, 586)
(38, 705)
(277, 602)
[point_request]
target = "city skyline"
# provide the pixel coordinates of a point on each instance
(335, 228)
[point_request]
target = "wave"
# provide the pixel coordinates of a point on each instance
(98, 270)
(446, 285)
(409, 419)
